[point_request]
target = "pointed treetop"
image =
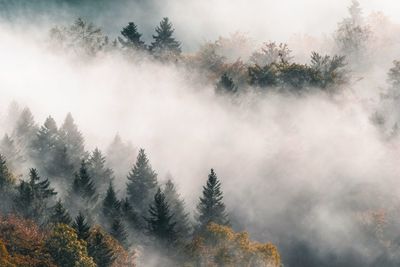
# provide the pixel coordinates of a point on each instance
(82, 228)
(131, 37)
(164, 40)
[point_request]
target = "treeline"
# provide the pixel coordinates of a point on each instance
(66, 211)
(226, 63)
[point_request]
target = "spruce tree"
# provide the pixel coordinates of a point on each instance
(211, 208)
(111, 204)
(99, 249)
(6, 178)
(25, 131)
(131, 37)
(142, 183)
(82, 228)
(164, 43)
(97, 169)
(130, 216)
(226, 85)
(73, 140)
(59, 214)
(118, 230)
(177, 207)
(120, 156)
(8, 148)
(160, 220)
(83, 185)
(33, 196)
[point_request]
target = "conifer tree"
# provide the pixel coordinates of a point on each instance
(160, 220)
(6, 178)
(82, 228)
(111, 204)
(60, 214)
(83, 185)
(9, 150)
(211, 208)
(73, 140)
(226, 84)
(118, 230)
(130, 216)
(98, 248)
(131, 37)
(97, 169)
(177, 207)
(142, 183)
(120, 156)
(25, 131)
(164, 43)
(33, 196)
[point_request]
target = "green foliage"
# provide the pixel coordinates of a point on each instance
(211, 208)
(33, 195)
(160, 220)
(164, 44)
(83, 186)
(10, 151)
(118, 230)
(66, 249)
(25, 131)
(142, 183)
(271, 53)
(6, 177)
(131, 37)
(59, 214)
(81, 227)
(111, 204)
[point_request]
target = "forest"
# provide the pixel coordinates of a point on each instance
(237, 153)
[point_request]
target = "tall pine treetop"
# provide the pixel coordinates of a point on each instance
(163, 40)
(142, 183)
(211, 208)
(6, 178)
(131, 37)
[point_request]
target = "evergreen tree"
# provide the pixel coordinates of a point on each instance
(111, 204)
(160, 224)
(211, 208)
(44, 146)
(130, 216)
(82, 228)
(25, 131)
(142, 183)
(120, 156)
(118, 230)
(97, 169)
(131, 37)
(226, 84)
(60, 214)
(164, 43)
(73, 140)
(177, 206)
(33, 196)
(9, 149)
(6, 178)
(99, 249)
(83, 185)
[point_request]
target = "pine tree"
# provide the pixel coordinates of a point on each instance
(131, 37)
(6, 178)
(97, 169)
(164, 43)
(142, 183)
(60, 214)
(226, 84)
(83, 185)
(82, 228)
(130, 216)
(211, 208)
(44, 146)
(120, 156)
(99, 249)
(177, 206)
(111, 204)
(25, 131)
(73, 140)
(9, 150)
(33, 196)
(118, 230)
(160, 223)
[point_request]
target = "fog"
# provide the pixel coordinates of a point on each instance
(294, 169)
